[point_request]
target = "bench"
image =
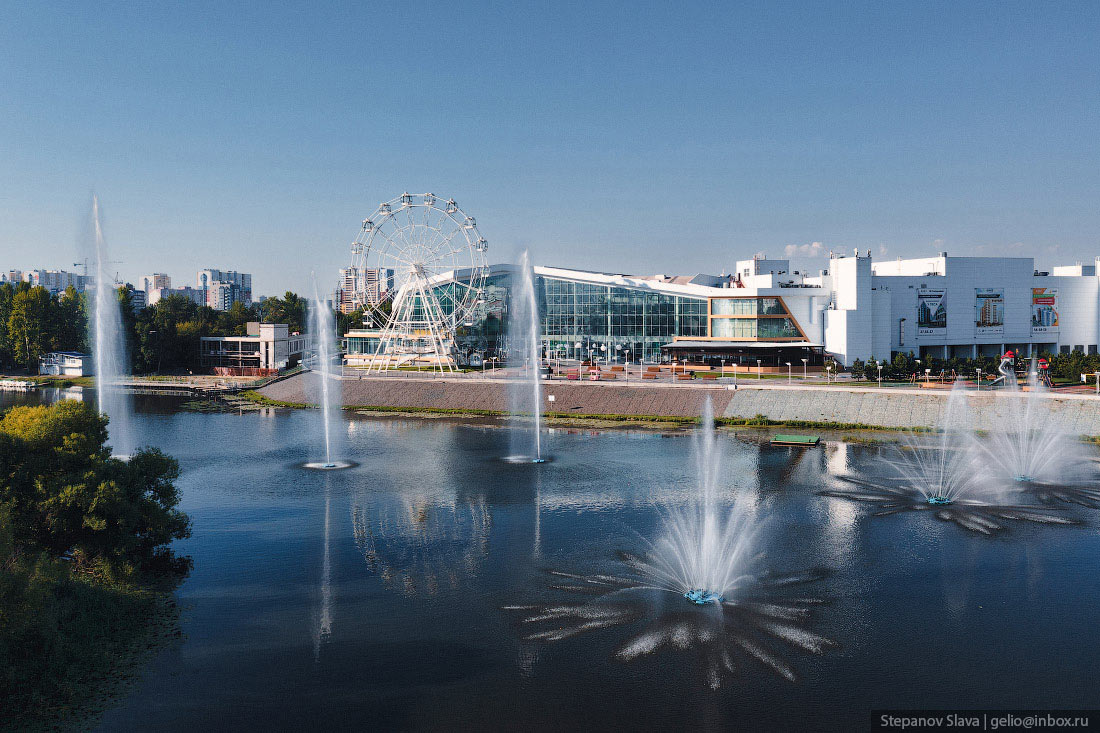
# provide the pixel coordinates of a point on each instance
(649, 375)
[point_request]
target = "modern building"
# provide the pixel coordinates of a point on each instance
(264, 350)
(66, 364)
(221, 289)
(769, 315)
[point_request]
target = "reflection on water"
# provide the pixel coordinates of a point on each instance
(416, 543)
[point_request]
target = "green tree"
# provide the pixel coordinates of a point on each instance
(290, 309)
(69, 322)
(29, 325)
(65, 494)
(7, 295)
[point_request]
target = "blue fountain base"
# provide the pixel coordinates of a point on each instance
(1024, 479)
(701, 597)
(938, 500)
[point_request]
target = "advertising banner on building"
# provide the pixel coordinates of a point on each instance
(989, 311)
(931, 311)
(1044, 310)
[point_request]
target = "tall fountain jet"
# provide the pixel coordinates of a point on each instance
(323, 328)
(109, 345)
(525, 348)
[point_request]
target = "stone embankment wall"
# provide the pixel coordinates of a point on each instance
(480, 394)
(895, 408)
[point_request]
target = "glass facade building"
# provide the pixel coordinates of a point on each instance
(606, 317)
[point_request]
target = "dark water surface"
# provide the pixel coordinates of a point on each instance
(372, 598)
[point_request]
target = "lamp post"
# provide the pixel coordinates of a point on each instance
(828, 374)
(879, 363)
(788, 372)
(979, 379)
(723, 372)
(804, 363)
(759, 371)
(927, 376)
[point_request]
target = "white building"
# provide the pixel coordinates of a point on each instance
(265, 349)
(66, 364)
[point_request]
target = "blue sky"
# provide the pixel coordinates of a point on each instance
(633, 136)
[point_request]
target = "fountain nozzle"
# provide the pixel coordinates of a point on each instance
(701, 597)
(938, 500)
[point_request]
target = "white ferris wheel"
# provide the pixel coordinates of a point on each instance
(422, 264)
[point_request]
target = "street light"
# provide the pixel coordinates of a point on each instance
(758, 369)
(788, 372)
(879, 373)
(804, 362)
(979, 379)
(828, 374)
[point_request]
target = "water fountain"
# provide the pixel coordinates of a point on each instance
(109, 347)
(942, 467)
(323, 329)
(525, 395)
(736, 612)
(1028, 444)
(953, 473)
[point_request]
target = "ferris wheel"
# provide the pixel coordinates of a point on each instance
(420, 264)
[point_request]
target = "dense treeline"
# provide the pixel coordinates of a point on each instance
(33, 322)
(161, 338)
(83, 544)
(903, 366)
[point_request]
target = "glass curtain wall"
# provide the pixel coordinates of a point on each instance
(610, 323)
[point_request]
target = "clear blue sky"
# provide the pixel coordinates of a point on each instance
(627, 136)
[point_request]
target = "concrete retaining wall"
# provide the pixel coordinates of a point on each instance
(893, 408)
(477, 394)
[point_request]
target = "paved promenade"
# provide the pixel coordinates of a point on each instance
(1078, 413)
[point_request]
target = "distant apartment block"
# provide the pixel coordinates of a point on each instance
(57, 281)
(221, 288)
(359, 287)
(11, 276)
(156, 281)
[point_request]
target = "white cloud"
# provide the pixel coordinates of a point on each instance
(813, 249)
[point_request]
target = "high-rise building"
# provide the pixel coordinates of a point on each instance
(378, 283)
(223, 288)
(12, 276)
(156, 281)
(359, 287)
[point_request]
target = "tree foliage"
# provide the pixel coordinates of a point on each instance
(66, 495)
